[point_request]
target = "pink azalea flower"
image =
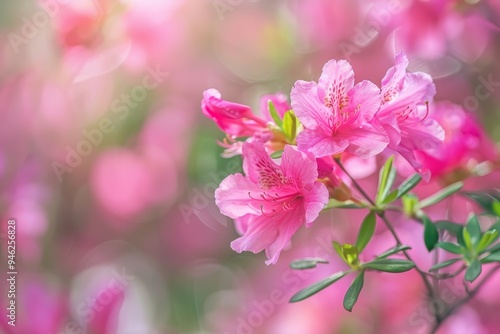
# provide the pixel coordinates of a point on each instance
(404, 113)
(238, 120)
(338, 115)
(271, 201)
(465, 142)
(233, 118)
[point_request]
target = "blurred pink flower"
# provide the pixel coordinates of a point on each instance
(404, 112)
(465, 141)
(338, 115)
(272, 201)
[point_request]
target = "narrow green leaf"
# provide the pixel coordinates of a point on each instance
(444, 264)
(393, 195)
(473, 271)
(338, 249)
(466, 239)
(486, 240)
(393, 251)
(450, 247)
(408, 184)
(386, 179)
(431, 234)
(274, 114)
(352, 294)
(366, 231)
(474, 230)
(493, 257)
(307, 263)
(277, 154)
(440, 195)
(290, 125)
(390, 265)
(486, 199)
(496, 208)
(317, 287)
(333, 203)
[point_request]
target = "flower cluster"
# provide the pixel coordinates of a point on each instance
(334, 119)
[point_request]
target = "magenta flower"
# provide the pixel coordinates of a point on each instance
(466, 143)
(271, 201)
(404, 111)
(233, 118)
(338, 116)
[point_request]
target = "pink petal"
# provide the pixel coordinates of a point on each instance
(299, 166)
(366, 141)
(232, 196)
(391, 83)
(294, 219)
(259, 166)
(319, 144)
(424, 135)
(315, 201)
(365, 96)
(337, 78)
(259, 235)
(308, 106)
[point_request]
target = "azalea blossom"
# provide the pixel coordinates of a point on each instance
(233, 118)
(238, 120)
(337, 115)
(271, 202)
(404, 112)
(465, 145)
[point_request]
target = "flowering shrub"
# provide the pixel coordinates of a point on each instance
(295, 164)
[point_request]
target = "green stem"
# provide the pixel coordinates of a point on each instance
(389, 226)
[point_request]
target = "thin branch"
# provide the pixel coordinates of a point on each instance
(470, 295)
(387, 223)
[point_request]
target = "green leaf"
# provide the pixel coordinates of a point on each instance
(390, 265)
(493, 257)
(486, 240)
(290, 125)
(486, 200)
(431, 234)
(386, 179)
(467, 239)
(444, 264)
(450, 247)
(474, 230)
(366, 231)
(408, 184)
(496, 208)
(453, 228)
(473, 271)
(440, 195)
(333, 203)
(277, 154)
(352, 294)
(317, 287)
(274, 114)
(393, 251)
(393, 195)
(307, 263)
(338, 249)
